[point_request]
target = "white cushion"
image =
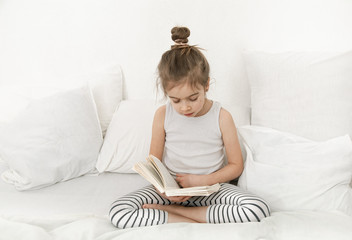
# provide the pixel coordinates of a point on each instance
(54, 139)
(294, 173)
(105, 83)
(128, 137)
(305, 93)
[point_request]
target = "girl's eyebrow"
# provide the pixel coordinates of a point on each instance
(186, 97)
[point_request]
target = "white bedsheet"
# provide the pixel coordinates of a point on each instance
(77, 209)
(83, 195)
(281, 226)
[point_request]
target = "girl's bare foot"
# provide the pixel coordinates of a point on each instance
(173, 216)
(197, 214)
(168, 208)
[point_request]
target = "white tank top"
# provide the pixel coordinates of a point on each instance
(193, 144)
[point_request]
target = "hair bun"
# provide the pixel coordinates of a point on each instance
(180, 34)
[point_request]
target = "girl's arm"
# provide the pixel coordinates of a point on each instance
(157, 145)
(158, 133)
(234, 167)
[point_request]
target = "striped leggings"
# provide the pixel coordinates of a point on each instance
(229, 205)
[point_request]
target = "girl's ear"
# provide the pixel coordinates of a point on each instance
(207, 86)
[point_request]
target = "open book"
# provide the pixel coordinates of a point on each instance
(154, 171)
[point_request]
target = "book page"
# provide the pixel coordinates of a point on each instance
(148, 172)
(157, 174)
(193, 191)
(168, 181)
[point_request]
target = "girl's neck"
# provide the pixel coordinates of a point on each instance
(206, 107)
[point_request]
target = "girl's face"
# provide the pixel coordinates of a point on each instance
(188, 101)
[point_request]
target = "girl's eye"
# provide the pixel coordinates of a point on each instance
(176, 101)
(193, 99)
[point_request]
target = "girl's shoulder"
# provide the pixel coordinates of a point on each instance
(160, 112)
(161, 109)
(224, 112)
(225, 117)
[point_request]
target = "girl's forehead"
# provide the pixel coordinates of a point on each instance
(183, 90)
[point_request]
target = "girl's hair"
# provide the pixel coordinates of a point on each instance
(183, 63)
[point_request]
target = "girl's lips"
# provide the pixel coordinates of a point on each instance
(188, 115)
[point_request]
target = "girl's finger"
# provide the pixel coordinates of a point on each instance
(185, 198)
(177, 199)
(180, 174)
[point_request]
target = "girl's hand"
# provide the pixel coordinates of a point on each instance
(174, 198)
(190, 180)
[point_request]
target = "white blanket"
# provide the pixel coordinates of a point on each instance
(281, 225)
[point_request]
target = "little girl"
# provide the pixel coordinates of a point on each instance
(190, 134)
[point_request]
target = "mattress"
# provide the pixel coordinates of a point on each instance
(77, 209)
(89, 194)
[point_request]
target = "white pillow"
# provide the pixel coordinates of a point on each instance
(128, 137)
(305, 93)
(105, 83)
(294, 173)
(54, 139)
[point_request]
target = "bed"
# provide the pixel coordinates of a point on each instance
(77, 100)
(76, 209)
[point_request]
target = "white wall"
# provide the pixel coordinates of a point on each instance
(47, 40)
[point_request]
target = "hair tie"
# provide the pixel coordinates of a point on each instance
(180, 42)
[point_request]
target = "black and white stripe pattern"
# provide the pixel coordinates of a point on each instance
(232, 204)
(229, 205)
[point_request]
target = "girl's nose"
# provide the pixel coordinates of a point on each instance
(185, 107)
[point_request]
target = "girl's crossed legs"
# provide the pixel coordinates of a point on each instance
(229, 204)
